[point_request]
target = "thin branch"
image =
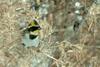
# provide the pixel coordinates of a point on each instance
(53, 58)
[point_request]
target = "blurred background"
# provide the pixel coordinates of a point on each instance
(69, 35)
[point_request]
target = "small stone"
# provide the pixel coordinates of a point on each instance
(77, 12)
(77, 4)
(23, 24)
(97, 2)
(80, 18)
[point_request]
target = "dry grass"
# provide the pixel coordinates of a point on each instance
(61, 54)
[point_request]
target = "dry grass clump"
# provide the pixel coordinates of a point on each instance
(86, 52)
(50, 52)
(9, 36)
(12, 52)
(76, 55)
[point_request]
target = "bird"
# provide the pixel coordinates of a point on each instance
(31, 34)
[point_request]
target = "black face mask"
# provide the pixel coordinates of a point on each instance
(34, 28)
(32, 36)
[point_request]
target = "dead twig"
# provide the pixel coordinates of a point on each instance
(53, 58)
